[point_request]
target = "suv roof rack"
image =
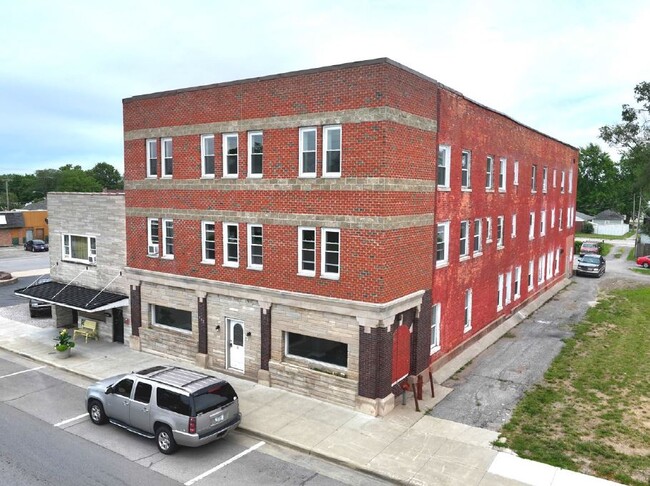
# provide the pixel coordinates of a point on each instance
(179, 377)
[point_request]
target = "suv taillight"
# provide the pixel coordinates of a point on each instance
(191, 426)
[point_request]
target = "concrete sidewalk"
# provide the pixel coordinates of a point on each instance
(406, 446)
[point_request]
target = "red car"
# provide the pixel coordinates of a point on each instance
(644, 261)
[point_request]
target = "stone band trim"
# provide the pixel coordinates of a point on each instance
(365, 184)
(373, 223)
(371, 314)
(360, 115)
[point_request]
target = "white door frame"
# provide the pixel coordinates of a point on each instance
(235, 361)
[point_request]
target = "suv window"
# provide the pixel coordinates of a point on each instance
(213, 398)
(142, 392)
(173, 401)
(123, 387)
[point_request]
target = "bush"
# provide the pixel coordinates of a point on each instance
(587, 228)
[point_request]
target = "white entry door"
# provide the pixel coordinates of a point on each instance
(235, 345)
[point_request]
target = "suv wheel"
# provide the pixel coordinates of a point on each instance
(646, 265)
(96, 412)
(165, 440)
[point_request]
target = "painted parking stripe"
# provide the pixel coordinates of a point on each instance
(73, 419)
(224, 464)
(20, 372)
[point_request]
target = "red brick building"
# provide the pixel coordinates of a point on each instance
(332, 231)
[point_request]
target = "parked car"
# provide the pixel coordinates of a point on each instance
(175, 406)
(36, 245)
(591, 265)
(36, 307)
(589, 247)
(644, 261)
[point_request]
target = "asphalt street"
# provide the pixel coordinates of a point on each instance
(486, 391)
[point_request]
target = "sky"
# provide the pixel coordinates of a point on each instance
(563, 67)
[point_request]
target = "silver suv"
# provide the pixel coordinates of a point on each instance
(174, 405)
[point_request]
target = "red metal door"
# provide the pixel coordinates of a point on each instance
(401, 352)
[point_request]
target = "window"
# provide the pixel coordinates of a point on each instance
(570, 181)
(442, 244)
(533, 179)
(554, 178)
(500, 231)
(541, 266)
(542, 223)
(435, 328)
(255, 154)
(142, 392)
(465, 170)
(502, 174)
(123, 387)
(330, 253)
(544, 179)
(557, 261)
(152, 236)
(80, 248)
(207, 242)
(477, 236)
(167, 157)
(468, 310)
(515, 175)
(508, 288)
(307, 150)
(569, 217)
(170, 317)
(549, 265)
(230, 245)
(500, 293)
(152, 157)
(230, 155)
(316, 349)
(255, 253)
(307, 251)
(517, 289)
(531, 226)
(464, 237)
(562, 182)
(332, 151)
(444, 165)
(559, 221)
(531, 268)
(513, 234)
(175, 402)
(207, 155)
(552, 218)
(489, 173)
(488, 230)
(168, 238)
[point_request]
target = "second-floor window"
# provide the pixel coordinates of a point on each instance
(513, 234)
(207, 238)
(500, 231)
(168, 238)
(207, 155)
(502, 174)
(442, 244)
(255, 154)
(531, 226)
(255, 247)
(330, 253)
(307, 149)
(167, 157)
(542, 223)
(465, 169)
(488, 230)
(152, 157)
(477, 237)
(533, 179)
(80, 248)
(332, 151)
(307, 251)
(515, 173)
(153, 239)
(464, 238)
(489, 173)
(444, 163)
(230, 155)
(230, 245)
(544, 179)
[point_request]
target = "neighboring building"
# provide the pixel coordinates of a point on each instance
(87, 260)
(610, 223)
(334, 230)
(19, 226)
(581, 218)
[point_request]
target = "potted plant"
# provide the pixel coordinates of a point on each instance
(64, 344)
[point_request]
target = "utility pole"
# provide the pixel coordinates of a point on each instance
(7, 191)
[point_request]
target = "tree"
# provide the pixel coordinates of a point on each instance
(75, 179)
(107, 176)
(600, 185)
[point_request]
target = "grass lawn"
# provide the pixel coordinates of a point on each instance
(592, 412)
(592, 236)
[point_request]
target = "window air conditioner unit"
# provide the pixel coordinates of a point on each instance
(92, 259)
(152, 250)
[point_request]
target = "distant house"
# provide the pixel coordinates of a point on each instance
(610, 223)
(581, 218)
(16, 227)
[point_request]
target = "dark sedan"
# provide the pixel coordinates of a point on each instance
(36, 245)
(591, 265)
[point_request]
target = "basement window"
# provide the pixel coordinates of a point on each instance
(316, 349)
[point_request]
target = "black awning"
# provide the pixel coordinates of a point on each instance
(73, 296)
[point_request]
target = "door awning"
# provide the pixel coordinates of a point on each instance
(73, 296)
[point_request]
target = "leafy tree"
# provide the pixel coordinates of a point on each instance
(599, 183)
(75, 179)
(107, 176)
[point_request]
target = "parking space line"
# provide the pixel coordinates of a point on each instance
(20, 372)
(64, 422)
(224, 464)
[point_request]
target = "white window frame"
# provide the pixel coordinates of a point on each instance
(570, 181)
(559, 221)
(554, 178)
(544, 179)
(464, 239)
(552, 218)
(503, 167)
(531, 274)
(477, 242)
(541, 269)
(542, 223)
(445, 261)
(562, 180)
(165, 236)
(436, 314)
(515, 175)
(301, 271)
(301, 151)
(204, 154)
(466, 171)
(166, 158)
(224, 155)
(531, 225)
(149, 142)
(324, 250)
(250, 244)
(204, 239)
(513, 233)
(91, 245)
(549, 265)
(500, 292)
(517, 289)
(533, 178)
(153, 247)
(489, 173)
(227, 262)
(488, 229)
(252, 174)
(508, 292)
(500, 231)
(467, 325)
(444, 156)
(326, 137)
(557, 261)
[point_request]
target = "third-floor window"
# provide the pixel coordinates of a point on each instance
(230, 155)
(332, 151)
(255, 154)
